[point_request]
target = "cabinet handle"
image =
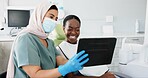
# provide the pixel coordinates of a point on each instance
(135, 39)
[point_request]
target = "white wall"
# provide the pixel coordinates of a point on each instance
(146, 26)
(23, 2)
(125, 13)
(3, 4)
(93, 12)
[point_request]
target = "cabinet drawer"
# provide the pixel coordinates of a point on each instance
(137, 40)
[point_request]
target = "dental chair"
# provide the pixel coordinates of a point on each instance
(133, 60)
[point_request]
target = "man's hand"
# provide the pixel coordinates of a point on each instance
(108, 75)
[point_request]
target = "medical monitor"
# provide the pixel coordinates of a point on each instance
(18, 18)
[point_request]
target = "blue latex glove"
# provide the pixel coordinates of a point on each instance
(74, 64)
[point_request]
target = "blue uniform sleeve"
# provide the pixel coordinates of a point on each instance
(26, 52)
(57, 52)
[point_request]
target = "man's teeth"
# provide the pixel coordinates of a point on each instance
(72, 37)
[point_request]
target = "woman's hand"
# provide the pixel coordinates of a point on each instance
(74, 64)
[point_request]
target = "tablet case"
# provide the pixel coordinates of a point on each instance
(100, 50)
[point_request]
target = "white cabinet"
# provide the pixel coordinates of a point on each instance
(115, 60)
(137, 40)
(5, 48)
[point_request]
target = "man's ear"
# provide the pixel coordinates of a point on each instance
(63, 28)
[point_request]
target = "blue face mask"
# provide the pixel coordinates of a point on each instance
(48, 25)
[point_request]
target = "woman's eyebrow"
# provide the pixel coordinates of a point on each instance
(52, 14)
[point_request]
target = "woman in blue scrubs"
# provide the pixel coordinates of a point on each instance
(33, 55)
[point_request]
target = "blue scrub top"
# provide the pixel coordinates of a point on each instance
(28, 50)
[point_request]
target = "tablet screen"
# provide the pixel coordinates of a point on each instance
(100, 50)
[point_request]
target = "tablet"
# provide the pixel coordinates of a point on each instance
(100, 50)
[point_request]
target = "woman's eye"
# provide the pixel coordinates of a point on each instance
(56, 19)
(51, 17)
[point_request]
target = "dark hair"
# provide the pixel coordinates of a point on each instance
(69, 17)
(53, 7)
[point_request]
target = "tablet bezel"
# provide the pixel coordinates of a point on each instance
(106, 47)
